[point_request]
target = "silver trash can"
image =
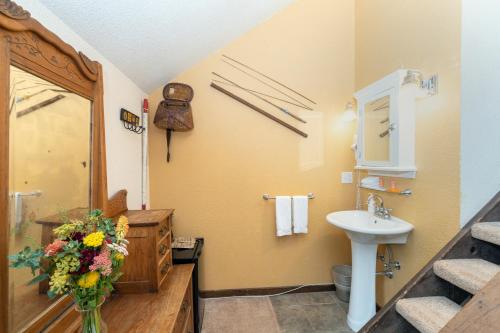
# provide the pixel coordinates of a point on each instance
(341, 275)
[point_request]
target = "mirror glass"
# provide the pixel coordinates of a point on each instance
(376, 131)
(49, 174)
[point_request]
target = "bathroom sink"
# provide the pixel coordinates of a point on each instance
(366, 231)
(363, 227)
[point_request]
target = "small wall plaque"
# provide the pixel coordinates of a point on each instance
(131, 121)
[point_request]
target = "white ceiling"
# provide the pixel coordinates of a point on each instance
(152, 41)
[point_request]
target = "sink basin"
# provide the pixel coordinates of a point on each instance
(366, 231)
(366, 228)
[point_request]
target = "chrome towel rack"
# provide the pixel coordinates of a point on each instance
(269, 197)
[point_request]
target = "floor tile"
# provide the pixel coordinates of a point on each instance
(304, 298)
(239, 315)
(326, 317)
(318, 312)
(292, 319)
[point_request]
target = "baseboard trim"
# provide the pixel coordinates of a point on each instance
(263, 291)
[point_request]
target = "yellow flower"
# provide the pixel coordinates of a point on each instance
(58, 281)
(119, 256)
(88, 280)
(121, 227)
(68, 263)
(94, 239)
(67, 229)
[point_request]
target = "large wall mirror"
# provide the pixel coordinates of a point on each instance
(377, 129)
(52, 157)
(49, 163)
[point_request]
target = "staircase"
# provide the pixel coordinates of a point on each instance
(458, 291)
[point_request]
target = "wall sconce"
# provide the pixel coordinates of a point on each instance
(430, 85)
(349, 115)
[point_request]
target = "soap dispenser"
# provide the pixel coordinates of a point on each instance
(371, 204)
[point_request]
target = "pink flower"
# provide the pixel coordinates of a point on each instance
(102, 262)
(54, 247)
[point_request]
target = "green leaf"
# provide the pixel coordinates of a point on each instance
(39, 278)
(27, 258)
(51, 294)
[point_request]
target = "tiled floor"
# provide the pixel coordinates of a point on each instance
(320, 312)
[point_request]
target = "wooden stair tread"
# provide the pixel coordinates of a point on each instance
(427, 314)
(487, 231)
(468, 274)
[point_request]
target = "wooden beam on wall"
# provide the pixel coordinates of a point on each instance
(39, 105)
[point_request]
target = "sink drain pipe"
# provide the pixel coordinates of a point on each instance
(390, 265)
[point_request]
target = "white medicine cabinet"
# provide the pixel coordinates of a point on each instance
(386, 127)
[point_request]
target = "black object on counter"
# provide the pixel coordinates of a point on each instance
(191, 256)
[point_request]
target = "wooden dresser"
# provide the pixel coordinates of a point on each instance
(168, 311)
(150, 254)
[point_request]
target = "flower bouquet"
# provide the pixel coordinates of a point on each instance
(83, 261)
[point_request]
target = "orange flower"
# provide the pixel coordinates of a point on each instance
(54, 247)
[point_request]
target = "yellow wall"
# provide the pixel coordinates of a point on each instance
(219, 171)
(423, 35)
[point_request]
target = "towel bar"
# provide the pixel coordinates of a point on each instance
(268, 197)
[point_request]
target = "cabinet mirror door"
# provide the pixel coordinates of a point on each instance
(377, 129)
(49, 163)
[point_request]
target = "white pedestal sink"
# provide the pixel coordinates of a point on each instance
(366, 232)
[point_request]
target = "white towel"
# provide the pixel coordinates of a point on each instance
(300, 212)
(283, 215)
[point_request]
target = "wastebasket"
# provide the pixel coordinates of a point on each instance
(341, 275)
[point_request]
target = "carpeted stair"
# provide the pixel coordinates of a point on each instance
(431, 314)
(487, 231)
(427, 314)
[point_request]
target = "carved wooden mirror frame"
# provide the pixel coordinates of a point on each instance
(25, 43)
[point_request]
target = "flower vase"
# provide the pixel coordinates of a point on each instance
(92, 321)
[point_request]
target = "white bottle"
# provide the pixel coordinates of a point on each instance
(371, 204)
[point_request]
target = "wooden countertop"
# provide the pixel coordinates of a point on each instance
(151, 312)
(136, 218)
(145, 218)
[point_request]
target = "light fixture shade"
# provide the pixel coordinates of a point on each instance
(349, 115)
(412, 77)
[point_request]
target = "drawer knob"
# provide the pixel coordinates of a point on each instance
(165, 268)
(163, 249)
(184, 306)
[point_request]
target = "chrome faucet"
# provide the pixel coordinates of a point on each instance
(380, 210)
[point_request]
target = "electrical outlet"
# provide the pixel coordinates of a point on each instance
(346, 178)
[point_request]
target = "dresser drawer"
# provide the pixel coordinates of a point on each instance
(164, 266)
(185, 317)
(189, 325)
(164, 228)
(163, 247)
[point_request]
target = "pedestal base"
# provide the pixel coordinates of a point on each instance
(362, 300)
